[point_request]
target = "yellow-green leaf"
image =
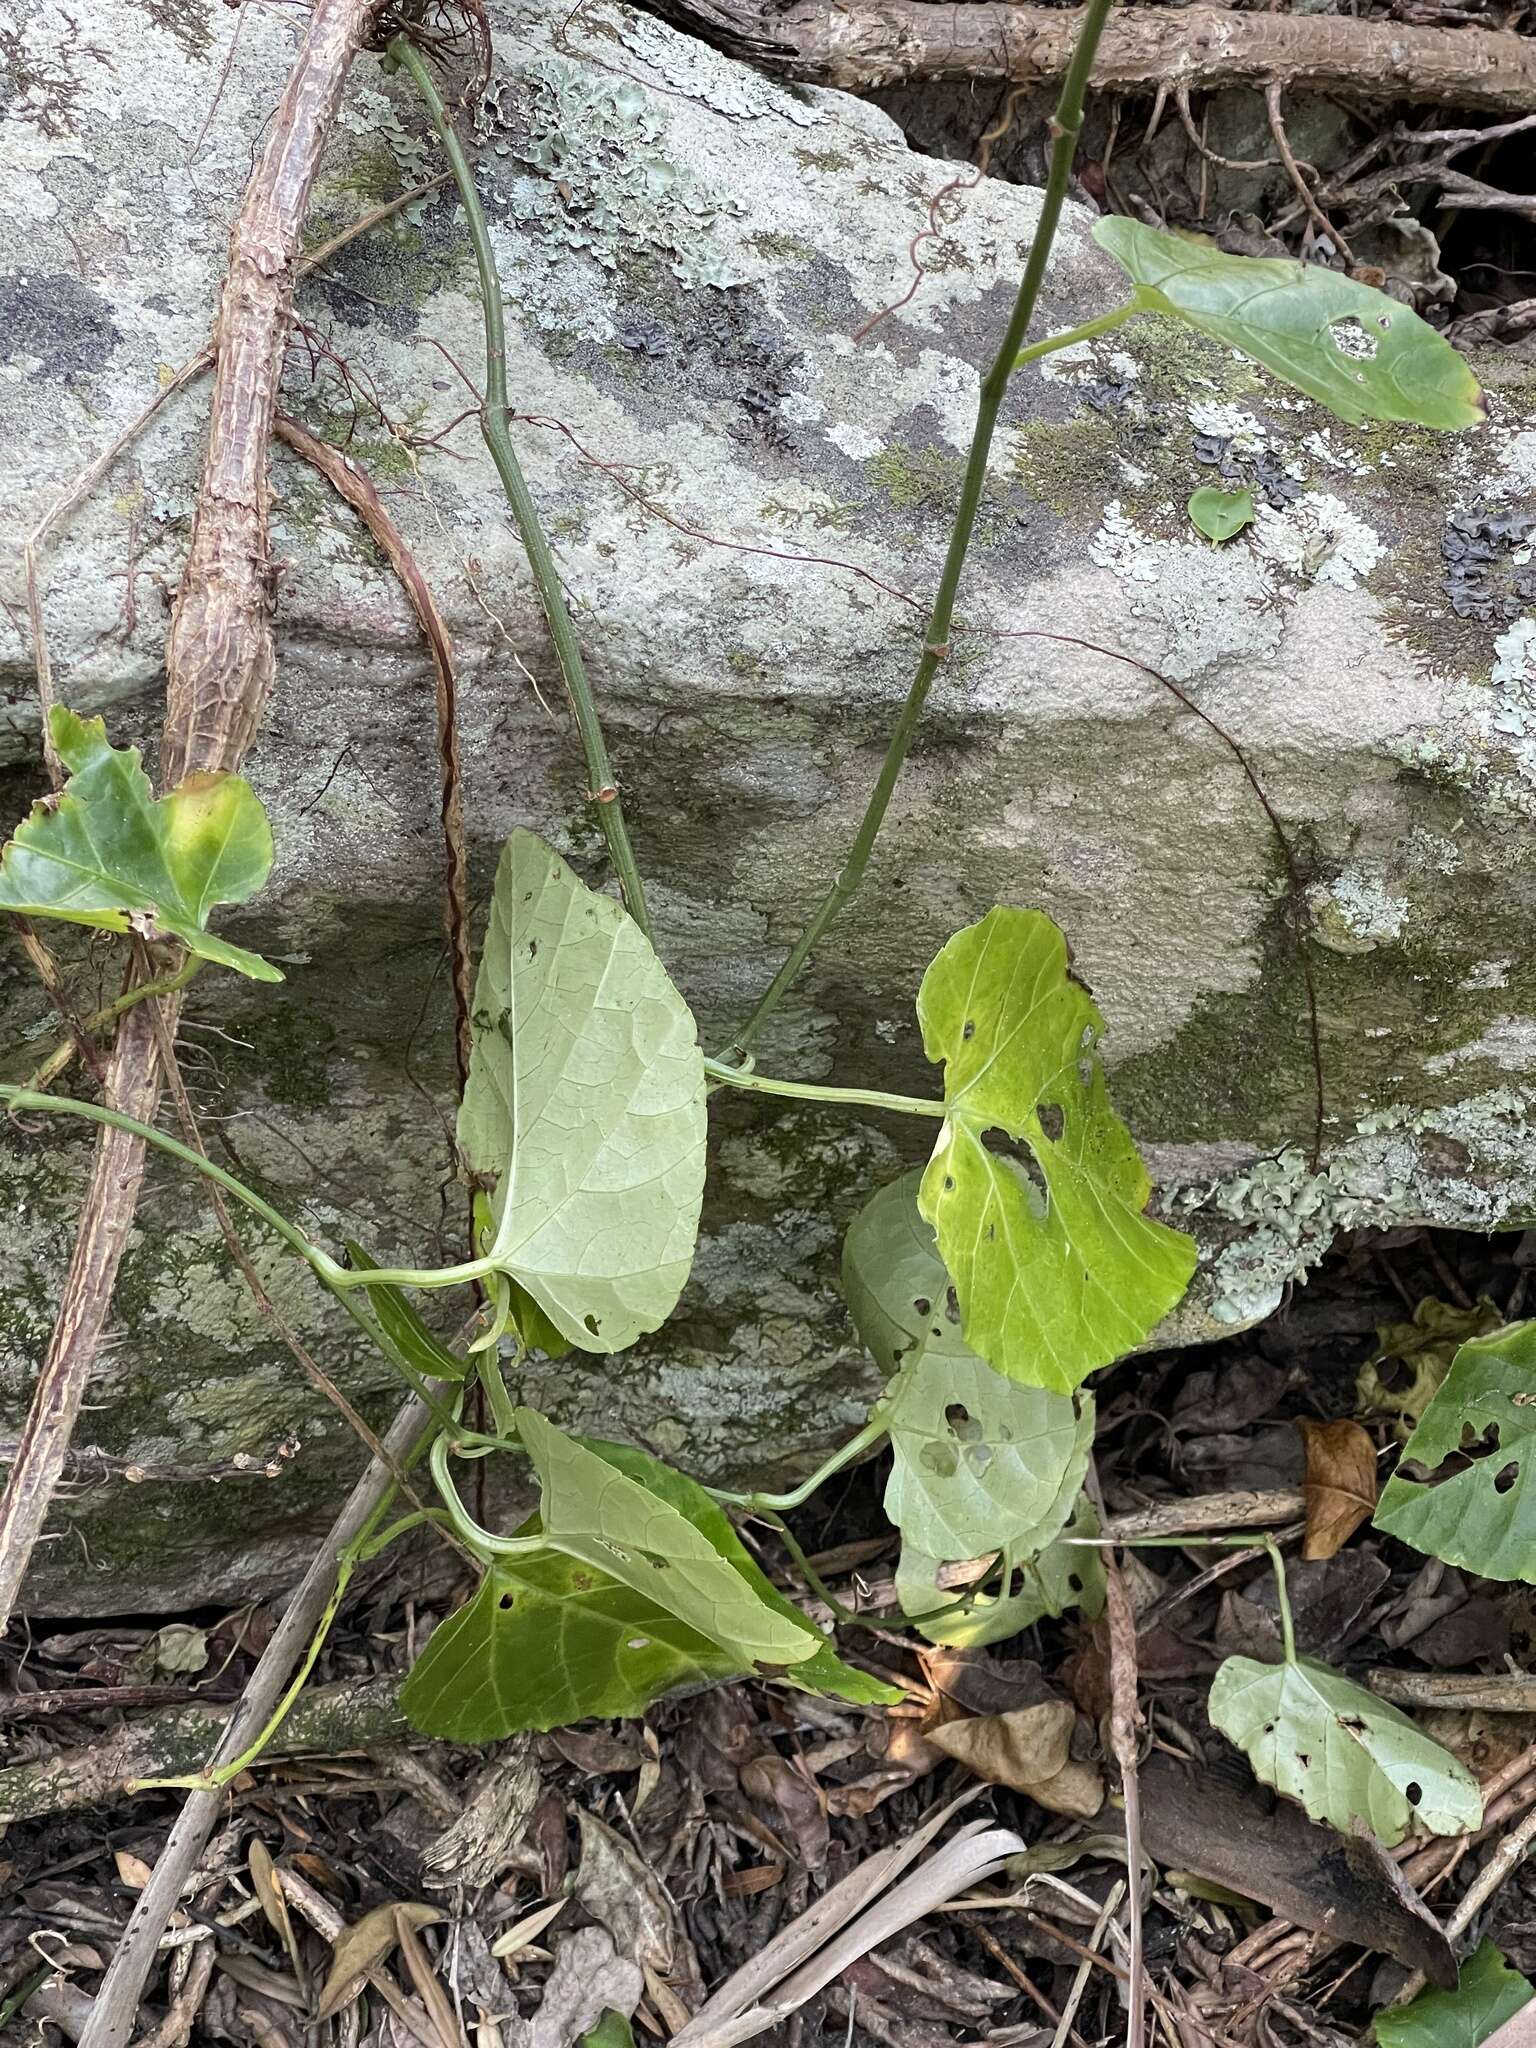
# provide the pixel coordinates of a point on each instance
(107, 852)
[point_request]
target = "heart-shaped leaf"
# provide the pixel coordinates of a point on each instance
(1488, 1992)
(586, 1100)
(1064, 1574)
(1341, 1752)
(1056, 1268)
(602, 1517)
(547, 1641)
(1476, 1517)
(980, 1462)
(1221, 514)
(1363, 355)
(107, 852)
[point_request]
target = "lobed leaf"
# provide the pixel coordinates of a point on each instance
(1355, 350)
(107, 852)
(1341, 1752)
(586, 1100)
(1477, 1517)
(1487, 1994)
(1056, 1268)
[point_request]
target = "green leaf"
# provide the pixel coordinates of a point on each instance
(547, 1641)
(1478, 1517)
(599, 1515)
(611, 2031)
(980, 1462)
(1488, 1993)
(1343, 1753)
(824, 1671)
(1353, 349)
(1062, 1575)
(1056, 1268)
(409, 1337)
(897, 1290)
(107, 852)
(586, 1100)
(1221, 514)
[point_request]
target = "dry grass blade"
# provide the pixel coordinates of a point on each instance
(360, 1949)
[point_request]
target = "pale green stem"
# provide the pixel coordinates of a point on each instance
(771, 1503)
(810, 1091)
(498, 440)
(463, 1522)
(1066, 128)
(1256, 1541)
(1069, 336)
(503, 1408)
(64, 1051)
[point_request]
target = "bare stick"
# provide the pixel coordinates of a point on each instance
(350, 483)
(219, 663)
(46, 968)
(118, 2000)
(1272, 102)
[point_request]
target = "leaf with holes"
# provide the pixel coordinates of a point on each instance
(1353, 349)
(546, 1641)
(1056, 1268)
(593, 1512)
(980, 1462)
(1488, 1992)
(1341, 1752)
(586, 1100)
(1062, 1575)
(897, 1290)
(1221, 514)
(107, 852)
(1477, 1517)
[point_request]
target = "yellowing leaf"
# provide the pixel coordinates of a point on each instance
(1363, 355)
(1341, 1752)
(586, 1101)
(1056, 1267)
(107, 852)
(1476, 1517)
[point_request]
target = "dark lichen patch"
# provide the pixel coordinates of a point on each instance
(186, 20)
(69, 329)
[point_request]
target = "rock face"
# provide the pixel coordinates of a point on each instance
(743, 500)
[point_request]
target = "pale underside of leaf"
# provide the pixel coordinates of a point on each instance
(1057, 1268)
(108, 853)
(1341, 1752)
(586, 1098)
(599, 1515)
(1483, 1517)
(1064, 1574)
(1290, 317)
(980, 1461)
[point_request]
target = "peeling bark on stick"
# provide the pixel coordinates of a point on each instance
(1144, 50)
(219, 664)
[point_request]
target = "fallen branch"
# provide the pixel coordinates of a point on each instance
(219, 664)
(1144, 50)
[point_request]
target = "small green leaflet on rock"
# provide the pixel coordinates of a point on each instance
(1488, 1993)
(586, 1101)
(407, 1336)
(107, 852)
(1360, 353)
(599, 1515)
(1063, 1575)
(1221, 514)
(980, 1462)
(549, 1640)
(1478, 1517)
(1056, 1268)
(1341, 1752)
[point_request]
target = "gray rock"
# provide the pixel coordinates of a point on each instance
(739, 494)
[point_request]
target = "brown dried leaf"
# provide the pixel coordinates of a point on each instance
(267, 1890)
(1340, 1485)
(1029, 1751)
(588, 1979)
(362, 1947)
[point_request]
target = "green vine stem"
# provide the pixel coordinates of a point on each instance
(462, 1522)
(1254, 1541)
(1066, 127)
(64, 1051)
(1070, 336)
(809, 1091)
(498, 440)
(872, 1433)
